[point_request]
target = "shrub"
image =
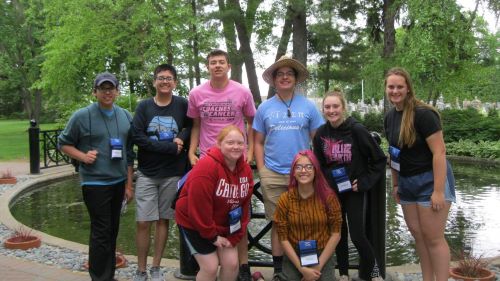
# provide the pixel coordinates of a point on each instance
(481, 149)
(469, 124)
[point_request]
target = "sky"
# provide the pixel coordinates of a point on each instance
(466, 4)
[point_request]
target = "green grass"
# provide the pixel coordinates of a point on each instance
(14, 139)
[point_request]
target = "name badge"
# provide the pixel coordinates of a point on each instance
(394, 153)
(166, 136)
(116, 148)
(342, 180)
(235, 220)
(308, 252)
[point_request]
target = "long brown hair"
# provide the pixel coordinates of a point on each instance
(407, 133)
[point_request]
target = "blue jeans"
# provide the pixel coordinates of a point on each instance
(419, 188)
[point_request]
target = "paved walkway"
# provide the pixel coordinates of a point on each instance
(14, 269)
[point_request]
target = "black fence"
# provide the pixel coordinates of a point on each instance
(46, 143)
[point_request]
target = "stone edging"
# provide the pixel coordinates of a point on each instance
(468, 159)
(35, 182)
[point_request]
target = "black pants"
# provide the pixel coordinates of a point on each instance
(353, 207)
(103, 204)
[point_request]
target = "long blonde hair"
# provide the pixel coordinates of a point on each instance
(407, 133)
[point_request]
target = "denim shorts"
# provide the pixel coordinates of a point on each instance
(418, 189)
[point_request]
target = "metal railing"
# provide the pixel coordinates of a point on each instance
(45, 142)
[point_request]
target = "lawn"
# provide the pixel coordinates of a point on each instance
(14, 139)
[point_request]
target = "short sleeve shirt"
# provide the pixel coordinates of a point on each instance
(286, 136)
(218, 108)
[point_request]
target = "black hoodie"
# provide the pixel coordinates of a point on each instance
(350, 146)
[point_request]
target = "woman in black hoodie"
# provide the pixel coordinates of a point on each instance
(353, 163)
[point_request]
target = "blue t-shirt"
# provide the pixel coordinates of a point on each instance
(285, 136)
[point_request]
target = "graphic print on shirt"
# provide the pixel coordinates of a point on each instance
(161, 125)
(284, 123)
(336, 151)
(233, 192)
(218, 111)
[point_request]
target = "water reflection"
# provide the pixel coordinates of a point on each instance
(473, 222)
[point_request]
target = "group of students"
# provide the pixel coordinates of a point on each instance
(313, 197)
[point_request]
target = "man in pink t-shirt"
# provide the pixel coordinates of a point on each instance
(217, 103)
(213, 105)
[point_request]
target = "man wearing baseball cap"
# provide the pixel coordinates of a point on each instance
(98, 137)
(283, 126)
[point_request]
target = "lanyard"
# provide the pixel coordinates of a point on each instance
(105, 123)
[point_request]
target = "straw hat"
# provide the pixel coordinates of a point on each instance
(302, 73)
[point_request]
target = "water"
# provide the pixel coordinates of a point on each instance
(474, 221)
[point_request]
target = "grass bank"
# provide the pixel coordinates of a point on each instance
(14, 139)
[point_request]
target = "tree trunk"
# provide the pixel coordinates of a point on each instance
(229, 32)
(38, 104)
(299, 31)
(285, 38)
(196, 51)
(389, 14)
(299, 37)
(246, 52)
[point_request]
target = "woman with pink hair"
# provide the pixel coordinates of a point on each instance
(308, 219)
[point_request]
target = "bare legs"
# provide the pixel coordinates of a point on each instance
(427, 228)
(209, 264)
(143, 239)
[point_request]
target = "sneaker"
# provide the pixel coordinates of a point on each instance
(140, 276)
(344, 278)
(155, 273)
(244, 274)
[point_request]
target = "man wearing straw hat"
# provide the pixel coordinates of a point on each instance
(283, 125)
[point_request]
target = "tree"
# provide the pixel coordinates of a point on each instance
(21, 54)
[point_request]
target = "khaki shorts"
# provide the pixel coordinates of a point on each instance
(153, 197)
(272, 185)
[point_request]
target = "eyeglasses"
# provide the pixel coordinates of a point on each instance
(307, 167)
(106, 89)
(280, 74)
(165, 78)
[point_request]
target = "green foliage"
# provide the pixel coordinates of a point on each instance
(481, 149)
(469, 125)
(373, 121)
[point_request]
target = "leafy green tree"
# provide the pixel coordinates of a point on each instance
(21, 26)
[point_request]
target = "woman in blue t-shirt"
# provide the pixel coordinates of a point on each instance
(422, 180)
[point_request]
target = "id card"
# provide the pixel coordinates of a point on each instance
(166, 136)
(116, 148)
(342, 180)
(394, 153)
(235, 220)
(308, 253)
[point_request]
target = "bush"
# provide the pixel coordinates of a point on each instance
(481, 149)
(374, 122)
(469, 124)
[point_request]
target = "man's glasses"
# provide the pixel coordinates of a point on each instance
(307, 167)
(165, 78)
(106, 89)
(280, 74)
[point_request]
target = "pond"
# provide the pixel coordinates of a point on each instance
(474, 221)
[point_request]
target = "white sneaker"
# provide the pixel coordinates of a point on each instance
(155, 274)
(344, 278)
